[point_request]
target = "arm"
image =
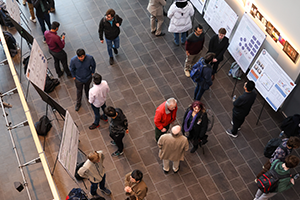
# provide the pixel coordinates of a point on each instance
(93, 65)
(119, 21)
(220, 56)
(163, 2)
(185, 114)
(174, 113)
(191, 13)
(171, 11)
(157, 119)
(101, 29)
(61, 42)
(91, 97)
(160, 143)
(203, 125)
(83, 172)
(72, 68)
(211, 44)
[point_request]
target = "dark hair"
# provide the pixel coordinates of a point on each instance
(137, 175)
(209, 57)
(293, 142)
(291, 161)
(55, 25)
(110, 111)
(197, 104)
(97, 78)
(110, 12)
(250, 85)
(222, 31)
(199, 26)
(80, 52)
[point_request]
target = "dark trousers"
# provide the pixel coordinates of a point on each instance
(94, 186)
(215, 66)
(97, 113)
(158, 132)
(199, 91)
(52, 4)
(237, 123)
(117, 138)
(62, 57)
(79, 86)
(266, 168)
(43, 20)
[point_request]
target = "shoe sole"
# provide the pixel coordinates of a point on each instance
(230, 134)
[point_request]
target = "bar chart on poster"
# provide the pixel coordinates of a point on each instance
(246, 42)
(199, 5)
(220, 15)
(270, 80)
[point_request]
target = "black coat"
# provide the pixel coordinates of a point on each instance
(38, 9)
(218, 48)
(243, 104)
(111, 31)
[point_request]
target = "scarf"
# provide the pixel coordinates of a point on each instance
(186, 129)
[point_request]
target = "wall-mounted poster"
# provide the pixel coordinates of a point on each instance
(270, 80)
(199, 5)
(290, 51)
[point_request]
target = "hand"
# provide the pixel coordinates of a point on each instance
(127, 189)
(63, 37)
(215, 60)
(127, 131)
(117, 24)
(163, 130)
(187, 53)
(292, 181)
(74, 78)
(101, 41)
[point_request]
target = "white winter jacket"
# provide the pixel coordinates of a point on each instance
(180, 18)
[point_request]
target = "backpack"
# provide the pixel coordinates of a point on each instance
(77, 194)
(290, 125)
(43, 126)
(50, 84)
(5, 18)
(268, 182)
(272, 146)
(211, 119)
(197, 71)
(235, 71)
(11, 43)
(78, 178)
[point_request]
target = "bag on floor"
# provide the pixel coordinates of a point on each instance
(235, 71)
(211, 119)
(291, 125)
(197, 71)
(77, 194)
(50, 84)
(272, 146)
(43, 126)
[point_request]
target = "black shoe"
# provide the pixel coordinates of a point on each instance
(165, 172)
(161, 34)
(111, 60)
(60, 75)
(115, 50)
(153, 32)
(117, 153)
(193, 150)
(77, 107)
(106, 191)
(164, 13)
(177, 170)
(93, 126)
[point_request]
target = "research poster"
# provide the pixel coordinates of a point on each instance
(13, 10)
(270, 80)
(199, 5)
(220, 15)
(246, 42)
(68, 150)
(37, 66)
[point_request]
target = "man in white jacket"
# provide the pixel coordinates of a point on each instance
(155, 8)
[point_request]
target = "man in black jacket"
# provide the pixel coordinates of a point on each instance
(241, 108)
(42, 10)
(110, 25)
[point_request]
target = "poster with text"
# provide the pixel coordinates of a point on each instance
(270, 80)
(37, 66)
(68, 150)
(198, 4)
(220, 15)
(13, 10)
(246, 42)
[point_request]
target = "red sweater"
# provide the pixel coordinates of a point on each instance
(161, 119)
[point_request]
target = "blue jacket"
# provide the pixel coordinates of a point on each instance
(206, 74)
(82, 71)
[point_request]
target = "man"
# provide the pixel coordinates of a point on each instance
(282, 168)
(42, 9)
(171, 148)
(31, 10)
(93, 170)
(218, 45)
(193, 47)
(110, 25)
(135, 187)
(165, 114)
(241, 108)
(82, 68)
(56, 45)
(97, 98)
(117, 128)
(155, 8)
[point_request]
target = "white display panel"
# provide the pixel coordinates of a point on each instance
(13, 10)
(246, 42)
(220, 15)
(68, 150)
(270, 80)
(199, 5)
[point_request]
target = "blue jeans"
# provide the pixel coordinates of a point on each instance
(183, 38)
(198, 92)
(43, 20)
(97, 113)
(110, 45)
(95, 185)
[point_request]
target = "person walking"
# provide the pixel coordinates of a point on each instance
(42, 8)
(31, 10)
(155, 8)
(135, 187)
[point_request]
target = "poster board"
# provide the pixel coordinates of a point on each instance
(13, 10)
(220, 15)
(270, 80)
(199, 5)
(246, 42)
(37, 66)
(68, 150)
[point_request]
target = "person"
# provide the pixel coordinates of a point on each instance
(31, 10)
(42, 9)
(241, 108)
(171, 148)
(82, 68)
(282, 168)
(117, 128)
(195, 122)
(155, 8)
(93, 170)
(218, 45)
(165, 114)
(281, 152)
(52, 6)
(193, 46)
(56, 45)
(180, 13)
(110, 25)
(97, 98)
(135, 187)
(206, 80)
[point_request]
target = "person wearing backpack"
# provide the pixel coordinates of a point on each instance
(205, 81)
(283, 184)
(195, 122)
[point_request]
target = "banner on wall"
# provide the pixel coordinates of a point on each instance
(199, 5)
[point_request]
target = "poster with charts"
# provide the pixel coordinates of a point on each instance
(270, 80)
(199, 5)
(68, 150)
(220, 15)
(37, 66)
(246, 42)
(13, 10)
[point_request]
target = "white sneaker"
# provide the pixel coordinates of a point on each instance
(33, 20)
(228, 131)
(24, 3)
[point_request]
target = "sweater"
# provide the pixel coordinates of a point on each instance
(82, 71)
(194, 44)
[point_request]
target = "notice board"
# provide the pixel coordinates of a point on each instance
(199, 5)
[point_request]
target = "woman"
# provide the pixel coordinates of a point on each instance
(195, 122)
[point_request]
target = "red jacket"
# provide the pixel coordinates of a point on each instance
(162, 119)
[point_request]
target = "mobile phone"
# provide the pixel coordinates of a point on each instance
(63, 34)
(296, 176)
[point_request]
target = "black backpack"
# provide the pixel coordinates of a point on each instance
(11, 43)
(77, 194)
(43, 126)
(78, 178)
(50, 84)
(272, 146)
(268, 182)
(5, 18)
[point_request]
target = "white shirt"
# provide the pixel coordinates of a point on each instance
(98, 93)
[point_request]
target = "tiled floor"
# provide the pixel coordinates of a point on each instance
(147, 71)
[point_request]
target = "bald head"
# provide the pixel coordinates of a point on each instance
(176, 130)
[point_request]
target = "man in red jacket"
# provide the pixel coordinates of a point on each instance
(165, 114)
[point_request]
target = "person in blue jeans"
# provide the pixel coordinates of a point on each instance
(110, 25)
(97, 98)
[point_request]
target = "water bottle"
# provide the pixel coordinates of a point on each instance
(234, 97)
(230, 72)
